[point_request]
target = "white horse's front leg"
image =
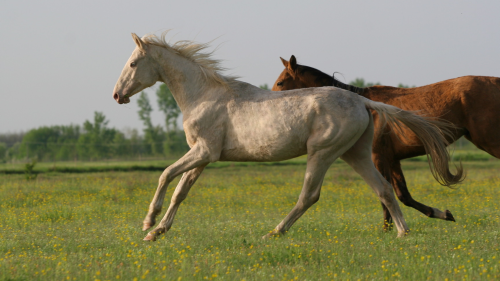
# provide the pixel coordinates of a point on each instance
(196, 157)
(180, 193)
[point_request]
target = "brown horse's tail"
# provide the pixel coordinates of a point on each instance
(432, 132)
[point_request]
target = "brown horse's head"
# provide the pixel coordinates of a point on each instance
(296, 76)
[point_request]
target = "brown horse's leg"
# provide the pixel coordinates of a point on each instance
(489, 143)
(383, 168)
(400, 187)
(387, 218)
(394, 175)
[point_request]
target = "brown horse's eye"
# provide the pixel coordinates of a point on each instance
(132, 64)
(280, 83)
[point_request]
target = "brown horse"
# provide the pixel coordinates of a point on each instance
(471, 103)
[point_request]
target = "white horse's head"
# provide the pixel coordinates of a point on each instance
(139, 72)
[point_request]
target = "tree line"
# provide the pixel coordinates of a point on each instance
(360, 83)
(96, 140)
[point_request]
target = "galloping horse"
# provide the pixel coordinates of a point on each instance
(229, 120)
(470, 103)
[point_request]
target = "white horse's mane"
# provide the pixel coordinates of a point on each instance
(193, 51)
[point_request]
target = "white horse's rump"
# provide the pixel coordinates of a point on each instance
(229, 120)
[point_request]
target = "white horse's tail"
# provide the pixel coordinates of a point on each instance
(432, 132)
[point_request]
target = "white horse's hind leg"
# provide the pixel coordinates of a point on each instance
(359, 158)
(317, 165)
(180, 193)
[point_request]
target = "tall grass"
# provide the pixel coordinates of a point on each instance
(87, 227)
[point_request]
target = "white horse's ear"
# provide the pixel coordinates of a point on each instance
(139, 42)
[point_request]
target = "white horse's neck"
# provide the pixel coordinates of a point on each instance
(184, 78)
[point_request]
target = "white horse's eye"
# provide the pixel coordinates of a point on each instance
(132, 64)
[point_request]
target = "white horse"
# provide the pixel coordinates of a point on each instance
(229, 120)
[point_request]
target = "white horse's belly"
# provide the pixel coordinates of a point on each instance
(272, 146)
(273, 136)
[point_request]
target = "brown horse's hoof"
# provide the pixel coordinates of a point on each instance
(449, 216)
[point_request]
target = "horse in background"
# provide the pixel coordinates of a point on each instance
(228, 120)
(470, 103)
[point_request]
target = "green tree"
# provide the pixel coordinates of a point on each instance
(3, 152)
(34, 144)
(401, 85)
(360, 83)
(97, 140)
(14, 151)
(13, 143)
(175, 139)
(11, 138)
(136, 142)
(50, 143)
(264, 86)
(64, 148)
(168, 106)
(153, 135)
(122, 146)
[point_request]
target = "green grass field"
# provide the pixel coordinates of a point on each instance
(86, 226)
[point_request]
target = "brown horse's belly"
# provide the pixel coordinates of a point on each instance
(435, 101)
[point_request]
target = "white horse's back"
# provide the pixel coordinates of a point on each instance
(273, 126)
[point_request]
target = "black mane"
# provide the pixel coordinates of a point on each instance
(325, 79)
(338, 84)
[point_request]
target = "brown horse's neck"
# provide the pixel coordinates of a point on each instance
(322, 79)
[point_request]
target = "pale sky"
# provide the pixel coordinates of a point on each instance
(59, 60)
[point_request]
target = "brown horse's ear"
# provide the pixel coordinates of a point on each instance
(292, 66)
(285, 62)
(139, 42)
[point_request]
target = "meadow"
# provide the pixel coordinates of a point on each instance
(87, 226)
